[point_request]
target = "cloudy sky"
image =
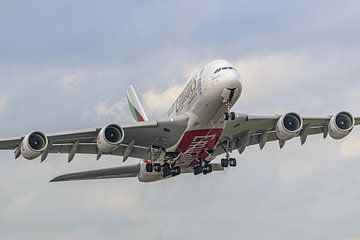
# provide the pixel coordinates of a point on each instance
(66, 64)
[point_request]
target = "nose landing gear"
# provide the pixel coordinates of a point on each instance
(229, 116)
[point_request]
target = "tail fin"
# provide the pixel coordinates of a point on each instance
(136, 109)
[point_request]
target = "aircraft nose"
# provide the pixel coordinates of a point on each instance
(232, 80)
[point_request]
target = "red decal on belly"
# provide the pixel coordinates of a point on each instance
(194, 143)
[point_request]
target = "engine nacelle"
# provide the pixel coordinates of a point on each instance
(288, 126)
(33, 145)
(110, 137)
(341, 125)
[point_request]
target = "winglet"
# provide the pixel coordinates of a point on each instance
(136, 109)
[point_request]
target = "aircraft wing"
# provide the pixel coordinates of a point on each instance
(247, 130)
(142, 135)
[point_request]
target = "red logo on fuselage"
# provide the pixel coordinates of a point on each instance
(194, 146)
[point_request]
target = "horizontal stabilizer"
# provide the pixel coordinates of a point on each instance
(117, 172)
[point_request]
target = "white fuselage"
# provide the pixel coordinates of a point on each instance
(211, 92)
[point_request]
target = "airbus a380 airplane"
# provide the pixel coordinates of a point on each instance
(199, 126)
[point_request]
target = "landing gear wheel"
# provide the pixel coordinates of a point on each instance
(226, 116)
(210, 169)
(207, 169)
(232, 116)
(224, 163)
(166, 171)
(198, 169)
(149, 167)
(157, 167)
(232, 162)
(176, 171)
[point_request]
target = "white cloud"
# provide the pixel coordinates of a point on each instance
(105, 111)
(281, 81)
(351, 146)
(73, 79)
(117, 199)
(4, 100)
(18, 204)
(159, 102)
(83, 75)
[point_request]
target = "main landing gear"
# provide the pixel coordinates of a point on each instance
(227, 161)
(166, 168)
(207, 168)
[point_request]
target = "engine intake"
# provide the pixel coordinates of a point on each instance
(341, 125)
(288, 126)
(33, 145)
(110, 138)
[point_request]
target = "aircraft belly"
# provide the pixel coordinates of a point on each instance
(195, 144)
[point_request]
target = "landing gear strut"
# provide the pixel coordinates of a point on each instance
(225, 162)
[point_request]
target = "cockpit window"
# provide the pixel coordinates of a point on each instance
(224, 68)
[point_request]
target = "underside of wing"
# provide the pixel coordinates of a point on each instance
(247, 130)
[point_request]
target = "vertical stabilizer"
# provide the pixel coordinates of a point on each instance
(136, 109)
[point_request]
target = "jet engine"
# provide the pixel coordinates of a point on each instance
(33, 145)
(288, 126)
(341, 125)
(110, 137)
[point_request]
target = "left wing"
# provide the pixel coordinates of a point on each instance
(246, 130)
(137, 140)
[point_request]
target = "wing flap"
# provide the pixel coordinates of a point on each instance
(91, 148)
(10, 144)
(255, 138)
